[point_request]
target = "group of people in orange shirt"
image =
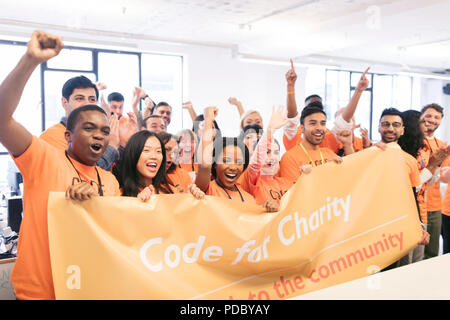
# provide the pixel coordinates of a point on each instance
(93, 152)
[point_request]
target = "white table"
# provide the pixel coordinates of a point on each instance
(424, 280)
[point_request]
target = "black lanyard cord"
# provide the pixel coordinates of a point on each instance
(100, 189)
(224, 189)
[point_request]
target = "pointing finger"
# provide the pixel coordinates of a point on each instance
(365, 72)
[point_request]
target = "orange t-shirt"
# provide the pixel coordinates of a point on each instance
(293, 159)
(270, 188)
(179, 177)
(433, 195)
(446, 200)
(412, 169)
(215, 190)
(329, 141)
(243, 181)
(44, 169)
(55, 136)
(191, 168)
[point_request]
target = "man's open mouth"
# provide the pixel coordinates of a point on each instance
(96, 147)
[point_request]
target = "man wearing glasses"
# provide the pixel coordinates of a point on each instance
(391, 129)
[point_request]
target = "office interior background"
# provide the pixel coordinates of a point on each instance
(206, 51)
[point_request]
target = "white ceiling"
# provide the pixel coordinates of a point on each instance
(407, 33)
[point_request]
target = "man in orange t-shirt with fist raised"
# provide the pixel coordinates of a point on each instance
(46, 168)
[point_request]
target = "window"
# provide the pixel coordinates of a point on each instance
(120, 73)
(40, 106)
(384, 91)
(163, 81)
(29, 110)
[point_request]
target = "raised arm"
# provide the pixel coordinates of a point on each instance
(259, 157)
(101, 86)
(190, 108)
(235, 102)
(291, 77)
(135, 101)
(350, 109)
(204, 168)
(41, 48)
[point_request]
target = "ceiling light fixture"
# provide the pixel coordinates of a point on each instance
(252, 59)
(425, 75)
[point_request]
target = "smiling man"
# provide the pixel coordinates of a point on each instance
(308, 152)
(46, 168)
(432, 114)
(391, 128)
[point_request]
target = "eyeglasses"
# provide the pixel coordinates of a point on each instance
(386, 124)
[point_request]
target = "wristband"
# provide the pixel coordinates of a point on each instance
(291, 92)
(146, 96)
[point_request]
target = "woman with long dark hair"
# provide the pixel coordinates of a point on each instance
(142, 168)
(412, 139)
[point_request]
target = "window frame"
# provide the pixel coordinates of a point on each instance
(370, 89)
(95, 52)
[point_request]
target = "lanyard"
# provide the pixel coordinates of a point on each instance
(312, 161)
(224, 189)
(100, 190)
(422, 164)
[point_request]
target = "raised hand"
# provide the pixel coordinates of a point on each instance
(104, 105)
(365, 138)
(291, 76)
(114, 137)
(127, 127)
(363, 82)
(211, 112)
(187, 105)
(345, 137)
(101, 86)
(233, 101)
(278, 118)
(43, 46)
(139, 92)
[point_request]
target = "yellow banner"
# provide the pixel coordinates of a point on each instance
(339, 223)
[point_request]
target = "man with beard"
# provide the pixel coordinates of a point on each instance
(432, 114)
(391, 129)
(46, 168)
(308, 152)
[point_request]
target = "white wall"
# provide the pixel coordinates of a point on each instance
(213, 75)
